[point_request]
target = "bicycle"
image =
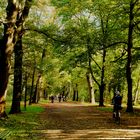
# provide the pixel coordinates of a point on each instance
(117, 116)
(117, 100)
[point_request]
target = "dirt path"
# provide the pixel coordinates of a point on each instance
(66, 121)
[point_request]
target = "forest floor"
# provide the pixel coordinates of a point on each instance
(72, 121)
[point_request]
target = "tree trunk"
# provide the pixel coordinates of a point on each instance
(102, 87)
(101, 99)
(74, 94)
(26, 89)
(32, 87)
(66, 91)
(63, 92)
(45, 94)
(36, 95)
(66, 95)
(6, 50)
(91, 71)
(34, 98)
(129, 59)
(4, 75)
(17, 87)
(77, 95)
(14, 21)
(90, 87)
(136, 91)
(136, 97)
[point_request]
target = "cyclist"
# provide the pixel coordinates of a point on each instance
(117, 101)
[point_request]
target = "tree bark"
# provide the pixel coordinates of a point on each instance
(6, 49)
(17, 87)
(77, 95)
(26, 89)
(36, 95)
(34, 98)
(74, 94)
(45, 94)
(136, 96)
(129, 59)
(137, 91)
(101, 89)
(21, 17)
(102, 85)
(90, 87)
(32, 87)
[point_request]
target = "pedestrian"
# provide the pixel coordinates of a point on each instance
(52, 99)
(59, 97)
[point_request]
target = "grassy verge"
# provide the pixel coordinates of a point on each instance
(105, 109)
(22, 122)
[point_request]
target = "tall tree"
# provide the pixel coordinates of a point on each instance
(36, 92)
(132, 10)
(12, 30)
(21, 17)
(90, 87)
(17, 86)
(6, 49)
(129, 57)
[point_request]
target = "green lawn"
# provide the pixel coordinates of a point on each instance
(24, 121)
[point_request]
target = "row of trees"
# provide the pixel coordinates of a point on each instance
(69, 46)
(16, 14)
(100, 28)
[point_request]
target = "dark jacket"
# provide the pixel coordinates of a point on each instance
(117, 102)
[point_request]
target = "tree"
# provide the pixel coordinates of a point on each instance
(131, 9)
(90, 87)
(17, 86)
(129, 57)
(21, 17)
(12, 32)
(7, 45)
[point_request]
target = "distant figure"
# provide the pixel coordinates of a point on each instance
(52, 99)
(64, 98)
(59, 97)
(117, 101)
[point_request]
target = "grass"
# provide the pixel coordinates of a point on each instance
(23, 124)
(105, 109)
(24, 121)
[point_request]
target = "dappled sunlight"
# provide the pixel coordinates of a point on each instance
(132, 126)
(70, 121)
(82, 134)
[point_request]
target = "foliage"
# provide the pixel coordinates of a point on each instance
(65, 29)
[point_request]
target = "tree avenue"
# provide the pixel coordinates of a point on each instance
(82, 50)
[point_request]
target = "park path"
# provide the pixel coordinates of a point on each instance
(70, 121)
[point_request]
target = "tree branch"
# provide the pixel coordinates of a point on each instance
(96, 63)
(115, 43)
(123, 53)
(47, 35)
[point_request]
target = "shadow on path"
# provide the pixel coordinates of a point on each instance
(69, 121)
(76, 121)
